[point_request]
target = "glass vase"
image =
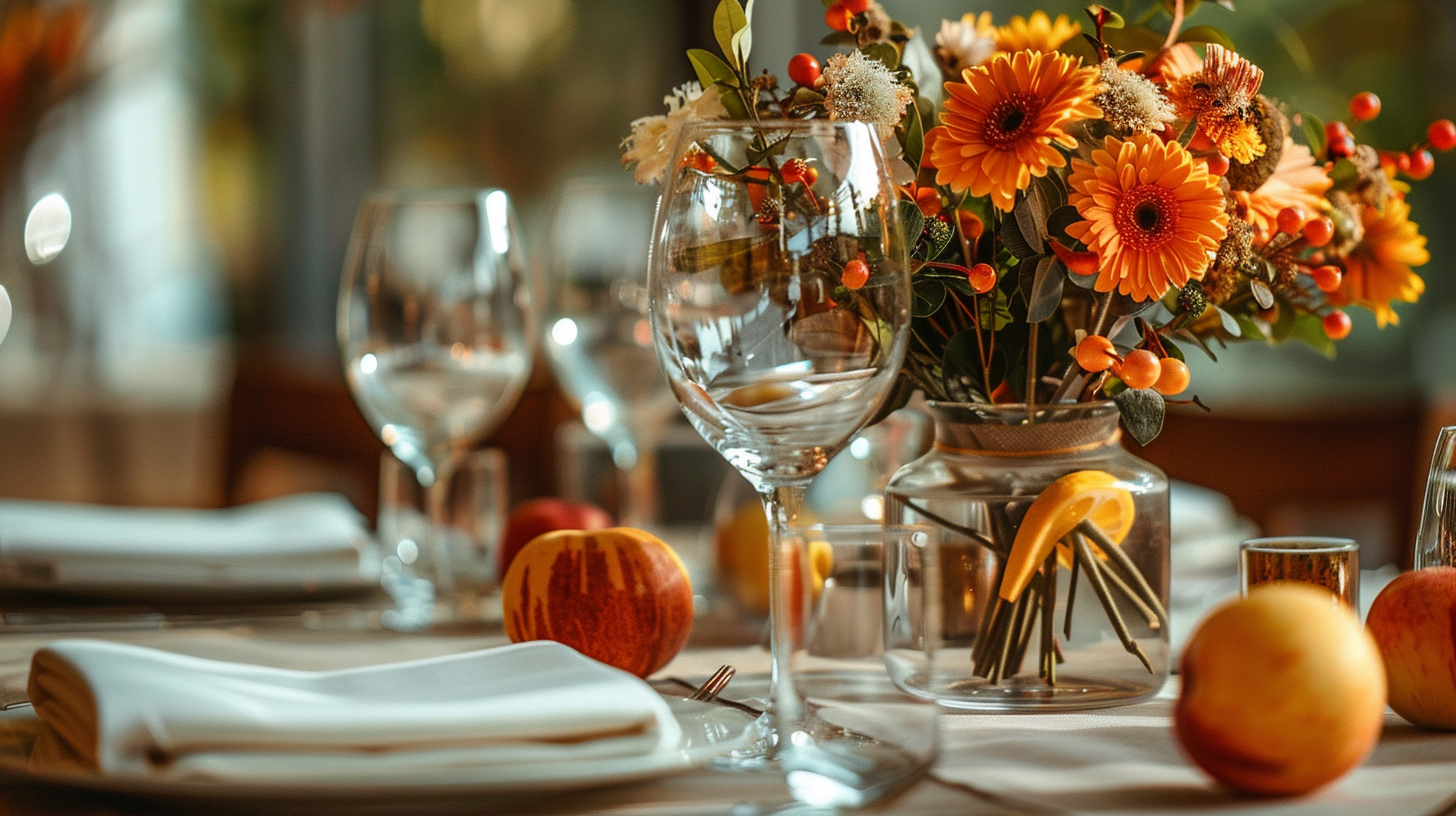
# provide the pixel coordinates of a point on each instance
(1069, 612)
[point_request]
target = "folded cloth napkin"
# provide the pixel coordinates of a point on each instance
(309, 540)
(132, 711)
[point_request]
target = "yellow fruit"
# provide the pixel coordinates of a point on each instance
(742, 555)
(1085, 494)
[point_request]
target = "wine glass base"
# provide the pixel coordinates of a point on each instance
(838, 755)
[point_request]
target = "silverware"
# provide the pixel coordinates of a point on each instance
(710, 688)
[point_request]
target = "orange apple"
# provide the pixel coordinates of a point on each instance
(1282, 692)
(619, 595)
(535, 517)
(1412, 622)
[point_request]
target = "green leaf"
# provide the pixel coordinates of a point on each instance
(1027, 223)
(1114, 20)
(885, 53)
(1197, 341)
(743, 39)
(1142, 412)
(757, 155)
(1205, 34)
(1135, 38)
(927, 296)
(1061, 218)
(1228, 322)
(1046, 290)
(912, 136)
(995, 312)
(1283, 327)
(838, 39)
(707, 256)
(710, 69)
(1309, 329)
(961, 368)
(1251, 329)
(728, 20)
(1173, 350)
(1314, 133)
(1012, 239)
(911, 219)
(1345, 175)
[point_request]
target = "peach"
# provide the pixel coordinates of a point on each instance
(619, 595)
(1413, 621)
(1282, 692)
(535, 517)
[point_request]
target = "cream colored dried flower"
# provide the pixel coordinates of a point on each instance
(1130, 102)
(965, 43)
(862, 89)
(649, 145)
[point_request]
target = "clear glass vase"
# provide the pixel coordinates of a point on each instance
(969, 621)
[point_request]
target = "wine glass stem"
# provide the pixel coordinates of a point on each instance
(437, 497)
(787, 599)
(639, 488)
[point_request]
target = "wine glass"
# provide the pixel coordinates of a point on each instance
(436, 328)
(597, 335)
(780, 311)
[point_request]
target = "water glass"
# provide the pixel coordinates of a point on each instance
(1436, 538)
(1329, 563)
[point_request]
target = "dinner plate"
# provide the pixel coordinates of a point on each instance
(709, 730)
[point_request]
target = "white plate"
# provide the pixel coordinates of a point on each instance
(708, 731)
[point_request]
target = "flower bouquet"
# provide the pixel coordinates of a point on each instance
(1084, 203)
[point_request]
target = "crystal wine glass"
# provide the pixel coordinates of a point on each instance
(597, 335)
(436, 328)
(780, 310)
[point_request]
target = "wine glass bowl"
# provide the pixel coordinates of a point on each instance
(435, 326)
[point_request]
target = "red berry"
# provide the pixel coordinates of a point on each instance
(837, 17)
(1402, 163)
(982, 278)
(1421, 164)
(1095, 353)
(804, 70)
(855, 6)
(1139, 369)
(1291, 219)
(793, 171)
(1319, 231)
(1336, 325)
(811, 175)
(1343, 147)
(1364, 106)
(1327, 278)
(856, 272)
(1218, 163)
(1172, 377)
(1442, 134)
(1335, 129)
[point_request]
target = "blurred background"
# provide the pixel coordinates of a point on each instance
(208, 157)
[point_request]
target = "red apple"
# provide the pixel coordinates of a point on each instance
(620, 596)
(535, 517)
(1412, 622)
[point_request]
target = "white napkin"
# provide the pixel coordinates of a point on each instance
(310, 540)
(129, 710)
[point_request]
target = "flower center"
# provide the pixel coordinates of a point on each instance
(1010, 120)
(1147, 216)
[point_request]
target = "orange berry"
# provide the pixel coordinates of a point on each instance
(1328, 277)
(1335, 130)
(804, 70)
(837, 17)
(1364, 106)
(1290, 220)
(1442, 134)
(1342, 148)
(1319, 231)
(702, 162)
(855, 274)
(982, 278)
(793, 171)
(1337, 325)
(1139, 369)
(1172, 377)
(1200, 142)
(1218, 163)
(855, 6)
(1421, 164)
(1095, 353)
(810, 176)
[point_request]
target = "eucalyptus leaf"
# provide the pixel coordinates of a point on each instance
(1262, 295)
(1082, 281)
(885, 53)
(1197, 341)
(911, 219)
(927, 295)
(1012, 239)
(1046, 291)
(1142, 411)
(1310, 330)
(921, 62)
(1251, 329)
(912, 136)
(1173, 350)
(1314, 133)
(728, 20)
(1061, 218)
(995, 312)
(1028, 222)
(1283, 327)
(1205, 34)
(1228, 322)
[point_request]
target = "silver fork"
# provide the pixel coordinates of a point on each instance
(710, 688)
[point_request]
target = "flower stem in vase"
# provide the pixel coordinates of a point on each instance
(1109, 604)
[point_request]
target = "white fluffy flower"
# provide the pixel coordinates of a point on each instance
(1130, 102)
(649, 145)
(862, 89)
(965, 43)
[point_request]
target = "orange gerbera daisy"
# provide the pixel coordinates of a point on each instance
(1297, 182)
(1222, 98)
(998, 126)
(1154, 216)
(1040, 33)
(1378, 271)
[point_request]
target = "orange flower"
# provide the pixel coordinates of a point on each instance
(1153, 215)
(1000, 123)
(1222, 99)
(926, 198)
(1039, 33)
(1378, 271)
(1297, 182)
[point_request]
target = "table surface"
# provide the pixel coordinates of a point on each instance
(1121, 760)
